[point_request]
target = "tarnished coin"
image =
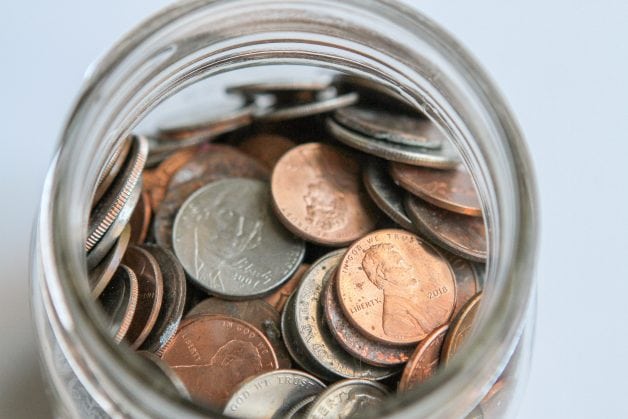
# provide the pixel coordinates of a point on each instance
(267, 148)
(395, 287)
(347, 399)
(300, 110)
(176, 385)
(214, 354)
(256, 312)
(119, 300)
(278, 298)
(167, 211)
(373, 94)
(100, 276)
(229, 243)
(155, 181)
(318, 195)
(150, 293)
(452, 190)
(466, 281)
(412, 130)
(293, 90)
(356, 344)
(272, 394)
(445, 157)
(173, 303)
(117, 201)
(462, 235)
(216, 161)
(386, 195)
(460, 328)
(425, 360)
(313, 333)
(111, 169)
(140, 219)
(480, 274)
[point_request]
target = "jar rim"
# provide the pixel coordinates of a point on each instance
(502, 314)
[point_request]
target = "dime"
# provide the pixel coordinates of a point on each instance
(313, 334)
(462, 235)
(140, 219)
(156, 181)
(119, 300)
(452, 190)
(424, 361)
(395, 287)
(256, 312)
(278, 298)
(445, 157)
(272, 394)
(347, 399)
(214, 354)
(386, 195)
(118, 200)
(267, 148)
(174, 383)
(229, 243)
(399, 128)
(466, 281)
(111, 169)
(100, 276)
(300, 110)
(174, 293)
(369, 351)
(150, 293)
(460, 328)
(318, 195)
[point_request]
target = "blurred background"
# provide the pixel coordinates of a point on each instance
(562, 65)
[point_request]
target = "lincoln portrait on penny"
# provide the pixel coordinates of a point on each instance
(387, 269)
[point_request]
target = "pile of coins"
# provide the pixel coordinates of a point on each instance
(308, 252)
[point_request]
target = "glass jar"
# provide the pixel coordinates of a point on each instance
(381, 40)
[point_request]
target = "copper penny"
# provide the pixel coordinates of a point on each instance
(460, 328)
(119, 300)
(278, 298)
(395, 287)
(267, 148)
(466, 281)
(214, 354)
(100, 275)
(369, 351)
(318, 195)
(256, 312)
(425, 360)
(452, 190)
(156, 181)
(140, 219)
(150, 293)
(460, 234)
(216, 161)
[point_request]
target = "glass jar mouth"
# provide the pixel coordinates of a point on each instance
(381, 40)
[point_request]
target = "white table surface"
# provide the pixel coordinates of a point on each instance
(562, 65)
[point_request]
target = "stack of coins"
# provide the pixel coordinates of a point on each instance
(305, 253)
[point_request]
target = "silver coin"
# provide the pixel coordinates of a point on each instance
(294, 89)
(102, 273)
(399, 128)
(173, 383)
(272, 394)
(386, 195)
(300, 110)
(120, 199)
(173, 301)
(111, 169)
(347, 399)
(229, 242)
(313, 334)
(372, 93)
(119, 301)
(299, 410)
(444, 158)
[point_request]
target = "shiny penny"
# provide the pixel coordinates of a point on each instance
(318, 195)
(140, 219)
(100, 275)
(425, 360)
(150, 293)
(230, 243)
(119, 300)
(460, 328)
(395, 287)
(347, 399)
(214, 354)
(256, 312)
(462, 235)
(267, 148)
(272, 394)
(278, 298)
(452, 190)
(368, 350)
(156, 180)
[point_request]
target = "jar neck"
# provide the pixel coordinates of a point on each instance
(380, 40)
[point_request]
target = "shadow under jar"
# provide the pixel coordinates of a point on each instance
(226, 42)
